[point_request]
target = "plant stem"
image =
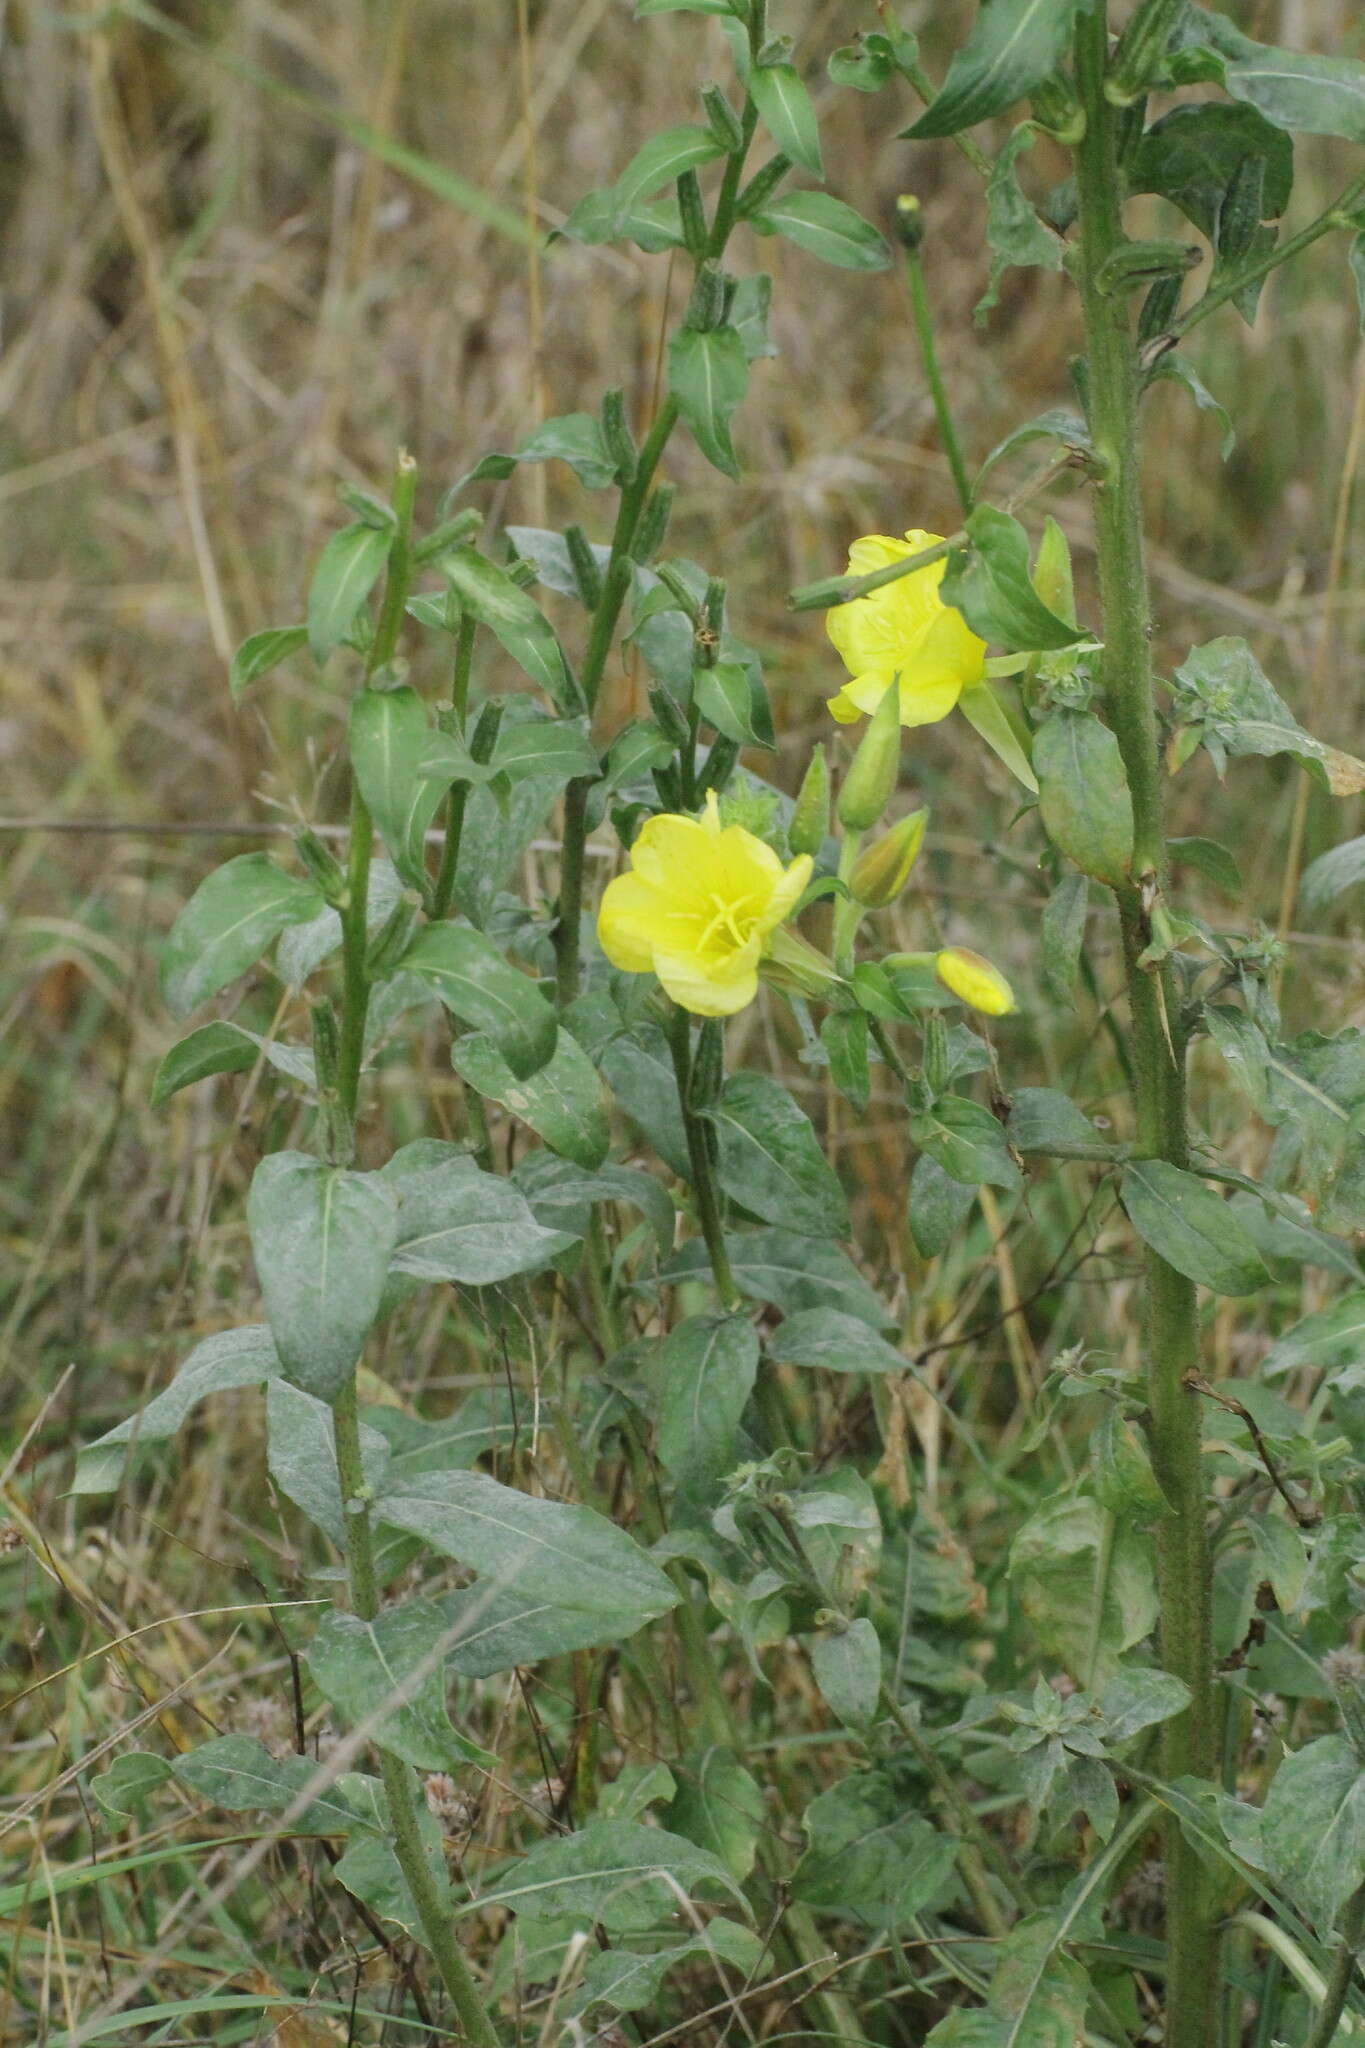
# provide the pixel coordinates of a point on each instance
(703, 1178)
(399, 1788)
(1352, 1935)
(444, 893)
(924, 331)
(1337, 215)
(355, 917)
(1188, 1740)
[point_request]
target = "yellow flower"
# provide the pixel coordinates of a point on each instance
(700, 902)
(904, 629)
(974, 981)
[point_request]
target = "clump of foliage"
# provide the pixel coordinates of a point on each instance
(630, 1506)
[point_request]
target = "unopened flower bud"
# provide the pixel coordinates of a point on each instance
(323, 867)
(810, 815)
(974, 981)
(867, 787)
(909, 221)
(882, 870)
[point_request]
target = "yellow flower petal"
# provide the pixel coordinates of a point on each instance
(787, 894)
(711, 991)
(903, 629)
(626, 923)
(845, 708)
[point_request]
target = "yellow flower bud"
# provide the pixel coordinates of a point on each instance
(974, 981)
(810, 816)
(872, 773)
(882, 870)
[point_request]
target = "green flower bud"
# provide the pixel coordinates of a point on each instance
(909, 221)
(810, 817)
(394, 936)
(323, 867)
(871, 777)
(882, 870)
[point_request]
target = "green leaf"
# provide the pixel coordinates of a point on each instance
(1054, 1569)
(966, 1141)
(938, 1206)
(395, 1663)
(662, 161)
(260, 653)
(322, 1238)
(301, 1451)
(1281, 1558)
(226, 926)
(991, 586)
(1135, 1699)
(1193, 155)
(229, 1358)
(719, 1806)
(1313, 1827)
(985, 710)
(1056, 425)
(479, 987)
(123, 1790)
(223, 1048)
(1190, 1227)
(705, 1372)
(548, 554)
(577, 439)
(455, 1223)
(1063, 938)
(1332, 874)
(1317, 1092)
(1013, 46)
(785, 109)
(847, 1664)
(793, 1272)
(1210, 859)
(1083, 794)
(1123, 1478)
(348, 569)
(645, 7)
(845, 1036)
(592, 1580)
(707, 376)
(557, 1190)
(829, 1340)
(1179, 370)
(1242, 1043)
(563, 1102)
(825, 227)
(639, 1071)
(1018, 238)
(553, 748)
(1306, 94)
(615, 1873)
(1044, 1120)
(489, 595)
(1331, 1341)
(1223, 687)
(749, 315)
(389, 733)
(771, 1160)
(871, 1860)
(370, 1871)
(724, 695)
(628, 1981)
(239, 1774)
(304, 947)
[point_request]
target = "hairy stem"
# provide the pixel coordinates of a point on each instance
(1344, 1967)
(1188, 1740)
(400, 1789)
(704, 1188)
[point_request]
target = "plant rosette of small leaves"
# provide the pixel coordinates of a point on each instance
(676, 1223)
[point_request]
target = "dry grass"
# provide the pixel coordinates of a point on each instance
(217, 306)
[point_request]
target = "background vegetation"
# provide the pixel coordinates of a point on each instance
(250, 250)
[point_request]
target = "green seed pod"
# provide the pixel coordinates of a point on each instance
(692, 216)
(936, 1062)
(1137, 62)
(882, 870)
(451, 533)
(810, 816)
(872, 774)
(762, 186)
(583, 562)
(617, 435)
(649, 534)
(706, 307)
(667, 716)
(722, 119)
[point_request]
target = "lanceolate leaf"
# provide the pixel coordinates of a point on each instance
(771, 1160)
(224, 1048)
(239, 1774)
(1083, 794)
(563, 1101)
(793, 1272)
(618, 1873)
(784, 107)
(262, 652)
(825, 227)
(347, 571)
(322, 1239)
(991, 586)
(458, 1224)
(226, 926)
(477, 984)
(1313, 1827)
(707, 375)
(1190, 1227)
(395, 1663)
(1307, 94)
(230, 1358)
(514, 618)
(1014, 45)
(389, 732)
(705, 1373)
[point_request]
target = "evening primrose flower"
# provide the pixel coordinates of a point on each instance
(903, 632)
(698, 909)
(974, 981)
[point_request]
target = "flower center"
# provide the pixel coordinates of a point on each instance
(730, 926)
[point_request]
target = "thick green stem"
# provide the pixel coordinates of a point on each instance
(703, 1177)
(400, 1790)
(1352, 1936)
(1189, 1740)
